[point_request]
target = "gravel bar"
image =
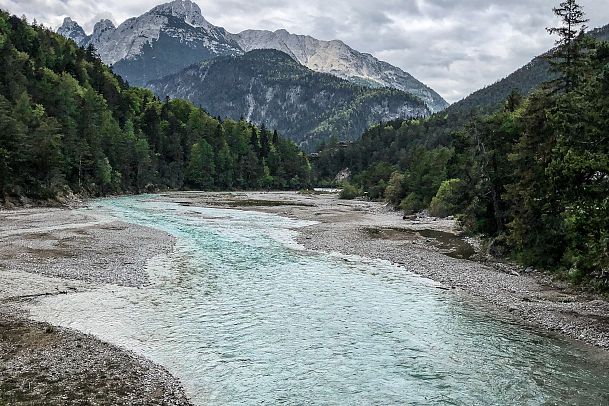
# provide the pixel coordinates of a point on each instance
(371, 229)
(60, 251)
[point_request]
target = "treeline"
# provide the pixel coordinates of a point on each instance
(533, 176)
(68, 124)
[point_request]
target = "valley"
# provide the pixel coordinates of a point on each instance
(191, 215)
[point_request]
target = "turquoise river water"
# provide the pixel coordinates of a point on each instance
(242, 315)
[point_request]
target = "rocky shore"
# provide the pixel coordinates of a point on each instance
(45, 365)
(432, 248)
(59, 251)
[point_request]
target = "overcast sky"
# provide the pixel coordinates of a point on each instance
(454, 46)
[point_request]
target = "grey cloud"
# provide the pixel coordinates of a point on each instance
(455, 46)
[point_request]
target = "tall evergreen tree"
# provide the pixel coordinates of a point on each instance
(566, 60)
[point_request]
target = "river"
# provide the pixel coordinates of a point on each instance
(242, 315)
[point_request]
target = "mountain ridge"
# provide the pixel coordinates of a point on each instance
(145, 40)
(337, 58)
(269, 87)
(524, 80)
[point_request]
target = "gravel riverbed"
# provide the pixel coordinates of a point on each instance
(60, 251)
(57, 252)
(423, 245)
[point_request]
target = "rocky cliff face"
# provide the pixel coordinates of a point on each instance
(174, 35)
(336, 58)
(160, 42)
(269, 87)
(71, 30)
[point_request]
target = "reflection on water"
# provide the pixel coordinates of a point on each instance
(242, 316)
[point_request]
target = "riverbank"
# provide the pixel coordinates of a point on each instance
(429, 247)
(59, 251)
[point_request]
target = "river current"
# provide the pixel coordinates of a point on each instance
(242, 315)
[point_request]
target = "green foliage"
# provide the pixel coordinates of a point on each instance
(201, 169)
(394, 191)
(68, 123)
(449, 199)
(533, 176)
(403, 146)
(374, 180)
(349, 191)
(412, 203)
(568, 58)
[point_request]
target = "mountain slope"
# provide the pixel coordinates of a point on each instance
(162, 41)
(69, 124)
(175, 35)
(524, 80)
(336, 58)
(269, 87)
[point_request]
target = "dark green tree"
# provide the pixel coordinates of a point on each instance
(567, 58)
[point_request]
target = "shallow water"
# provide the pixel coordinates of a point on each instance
(243, 316)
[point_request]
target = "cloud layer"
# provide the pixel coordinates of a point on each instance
(454, 46)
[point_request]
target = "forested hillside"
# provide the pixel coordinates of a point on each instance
(524, 80)
(268, 87)
(396, 146)
(68, 124)
(533, 176)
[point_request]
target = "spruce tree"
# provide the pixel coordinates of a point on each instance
(567, 58)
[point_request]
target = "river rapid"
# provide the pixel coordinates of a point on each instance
(242, 315)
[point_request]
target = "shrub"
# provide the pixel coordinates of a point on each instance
(349, 191)
(412, 204)
(448, 199)
(394, 191)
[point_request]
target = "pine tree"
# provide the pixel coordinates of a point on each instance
(535, 229)
(567, 58)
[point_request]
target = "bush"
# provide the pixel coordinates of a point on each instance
(377, 192)
(448, 199)
(412, 204)
(394, 191)
(349, 191)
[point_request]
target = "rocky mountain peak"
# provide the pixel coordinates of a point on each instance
(185, 10)
(68, 23)
(282, 32)
(70, 29)
(102, 30)
(103, 25)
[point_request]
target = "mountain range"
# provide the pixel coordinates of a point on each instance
(270, 87)
(174, 35)
(318, 89)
